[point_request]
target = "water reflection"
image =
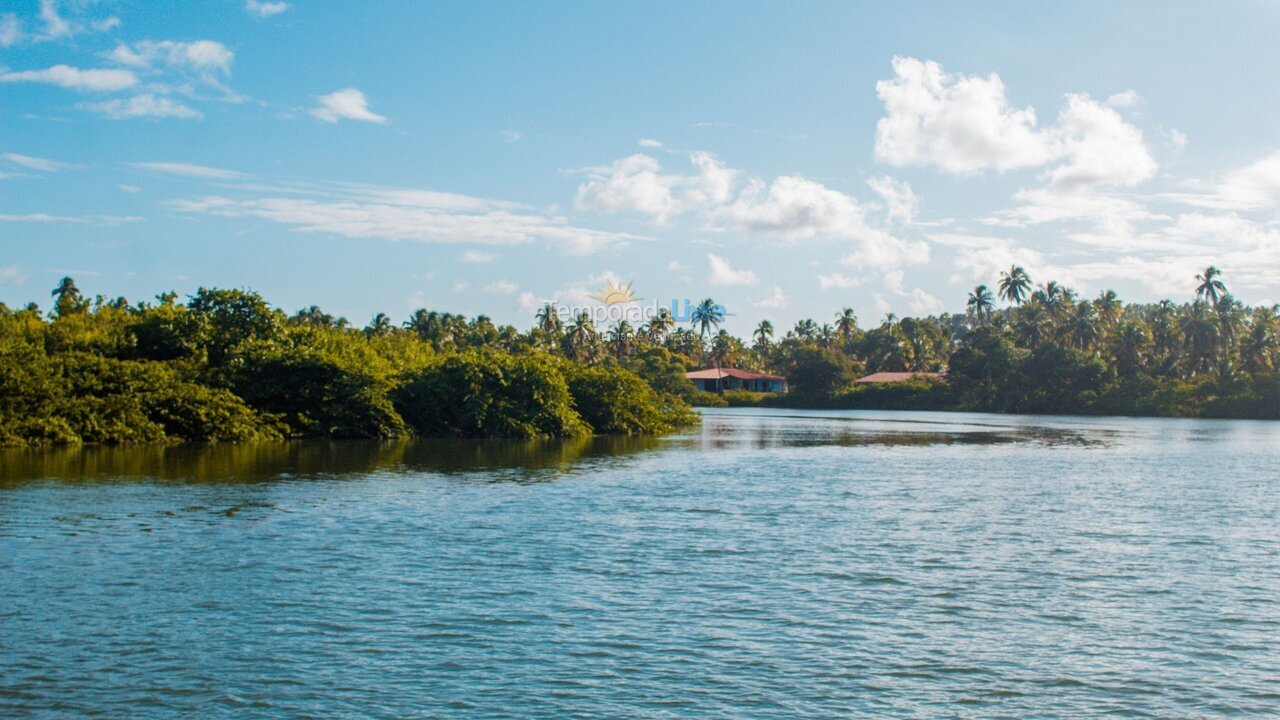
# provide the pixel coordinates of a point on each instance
(264, 461)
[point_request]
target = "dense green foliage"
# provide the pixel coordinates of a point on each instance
(228, 366)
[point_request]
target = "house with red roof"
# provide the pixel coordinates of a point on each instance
(893, 377)
(720, 379)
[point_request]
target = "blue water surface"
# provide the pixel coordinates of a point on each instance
(768, 564)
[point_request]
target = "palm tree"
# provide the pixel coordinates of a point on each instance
(548, 320)
(763, 334)
(1129, 347)
(1108, 306)
(981, 304)
(846, 325)
(1200, 335)
(724, 349)
(380, 326)
(68, 298)
(580, 341)
(621, 339)
(1014, 285)
(806, 329)
(826, 335)
(1082, 326)
(659, 326)
(1210, 287)
(1031, 324)
(707, 316)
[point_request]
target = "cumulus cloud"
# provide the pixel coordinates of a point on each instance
(346, 104)
(71, 78)
(900, 201)
(637, 184)
(775, 300)
(721, 274)
(837, 280)
(502, 287)
(650, 143)
(146, 105)
(961, 124)
(261, 9)
(965, 124)
(1253, 187)
(55, 26)
(475, 256)
(919, 301)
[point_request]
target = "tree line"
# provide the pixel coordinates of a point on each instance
(225, 365)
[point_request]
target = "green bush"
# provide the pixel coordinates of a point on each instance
(490, 394)
(613, 400)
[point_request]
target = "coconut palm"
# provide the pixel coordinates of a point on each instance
(706, 317)
(659, 326)
(806, 329)
(1109, 307)
(1210, 287)
(621, 339)
(1032, 324)
(1015, 285)
(1082, 326)
(380, 326)
(548, 320)
(763, 334)
(981, 304)
(1129, 347)
(846, 325)
(1199, 329)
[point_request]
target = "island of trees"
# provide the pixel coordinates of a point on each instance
(225, 365)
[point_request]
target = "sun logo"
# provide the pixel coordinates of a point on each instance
(613, 294)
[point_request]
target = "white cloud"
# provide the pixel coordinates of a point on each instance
(265, 9)
(189, 170)
(511, 135)
(71, 78)
(200, 55)
(775, 300)
(461, 286)
(837, 280)
(678, 267)
(54, 25)
(108, 220)
(475, 256)
(10, 30)
(898, 197)
(346, 104)
(722, 274)
(981, 258)
(128, 188)
(1102, 149)
(358, 211)
(965, 124)
(502, 287)
(12, 275)
(919, 301)
(961, 124)
(1123, 100)
(637, 184)
(1253, 187)
(35, 163)
(650, 143)
(146, 105)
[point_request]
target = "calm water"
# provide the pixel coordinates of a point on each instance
(766, 565)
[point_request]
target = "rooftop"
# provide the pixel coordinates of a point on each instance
(890, 377)
(717, 373)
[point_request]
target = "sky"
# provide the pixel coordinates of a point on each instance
(786, 160)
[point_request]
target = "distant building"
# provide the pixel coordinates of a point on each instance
(893, 377)
(718, 379)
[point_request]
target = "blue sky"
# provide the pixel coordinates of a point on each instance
(786, 160)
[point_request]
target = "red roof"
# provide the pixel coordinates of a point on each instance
(889, 377)
(717, 373)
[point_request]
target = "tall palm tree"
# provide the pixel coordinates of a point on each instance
(806, 329)
(548, 320)
(580, 340)
(1032, 324)
(1199, 329)
(1109, 307)
(981, 304)
(1015, 285)
(706, 317)
(659, 326)
(380, 326)
(621, 339)
(1129, 347)
(763, 334)
(1210, 287)
(846, 325)
(1082, 326)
